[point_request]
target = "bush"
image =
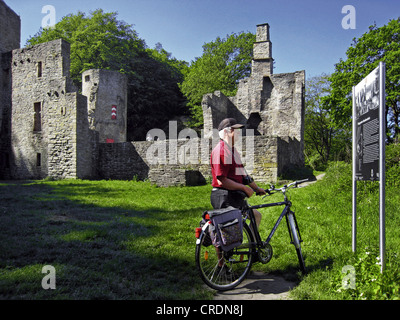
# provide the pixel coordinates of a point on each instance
(393, 165)
(365, 280)
(339, 176)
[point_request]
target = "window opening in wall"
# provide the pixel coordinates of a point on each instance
(39, 69)
(37, 123)
(87, 78)
(38, 159)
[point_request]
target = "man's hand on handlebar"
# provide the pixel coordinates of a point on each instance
(248, 191)
(260, 191)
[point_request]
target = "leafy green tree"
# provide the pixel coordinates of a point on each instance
(101, 41)
(323, 141)
(364, 55)
(223, 63)
(157, 98)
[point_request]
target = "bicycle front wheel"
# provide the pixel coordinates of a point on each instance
(222, 270)
(296, 241)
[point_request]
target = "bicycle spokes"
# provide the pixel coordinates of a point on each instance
(224, 270)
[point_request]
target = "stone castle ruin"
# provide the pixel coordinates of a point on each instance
(272, 105)
(49, 129)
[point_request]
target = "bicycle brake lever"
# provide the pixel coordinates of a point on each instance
(268, 193)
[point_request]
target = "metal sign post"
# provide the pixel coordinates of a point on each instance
(369, 138)
(382, 161)
(354, 208)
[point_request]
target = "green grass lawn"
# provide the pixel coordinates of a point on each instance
(132, 240)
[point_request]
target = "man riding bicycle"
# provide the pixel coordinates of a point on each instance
(228, 173)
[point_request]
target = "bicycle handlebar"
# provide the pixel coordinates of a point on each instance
(273, 190)
(283, 189)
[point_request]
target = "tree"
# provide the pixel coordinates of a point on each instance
(157, 98)
(101, 41)
(364, 55)
(323, 141)
(223, 63)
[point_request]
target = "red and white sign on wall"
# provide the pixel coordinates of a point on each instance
(114, 112)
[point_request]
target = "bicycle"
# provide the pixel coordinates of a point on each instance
(237, 262)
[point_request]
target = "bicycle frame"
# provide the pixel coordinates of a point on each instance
(284, 213)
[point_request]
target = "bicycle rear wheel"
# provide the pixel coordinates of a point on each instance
(225, 270)
(296, 240)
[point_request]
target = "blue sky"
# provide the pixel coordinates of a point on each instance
(305, 34)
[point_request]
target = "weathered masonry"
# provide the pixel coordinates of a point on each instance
(49, 129)
(10, 34)
(272, 155)
(271, 104)
(55, 130)
(47, 116)
(106, 93)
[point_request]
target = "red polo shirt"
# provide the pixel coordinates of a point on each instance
(224, 164)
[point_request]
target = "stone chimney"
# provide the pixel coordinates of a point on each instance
(262, 64)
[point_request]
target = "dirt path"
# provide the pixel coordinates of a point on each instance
(259, 286)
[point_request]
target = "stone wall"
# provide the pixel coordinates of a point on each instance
(5, 115)
(187, 162)
(50, 133)
(107, 103)
(10, 26)
(123, 160)
(272, 105)
(163, 162)
(282, 109)
(55, 130)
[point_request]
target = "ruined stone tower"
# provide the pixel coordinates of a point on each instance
(271, 104)
(107, 100)
(262, 64)
(50, 134)
(49, 129)
(10, 35)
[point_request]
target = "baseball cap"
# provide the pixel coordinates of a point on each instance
(229, 122)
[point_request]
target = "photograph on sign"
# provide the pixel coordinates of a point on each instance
(367, 102)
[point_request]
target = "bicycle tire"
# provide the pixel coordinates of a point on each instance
(237, 262)
(296, 242)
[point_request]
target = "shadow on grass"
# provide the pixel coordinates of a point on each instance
(99, 252)
(292, 174)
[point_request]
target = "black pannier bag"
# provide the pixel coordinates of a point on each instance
(226, 228)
